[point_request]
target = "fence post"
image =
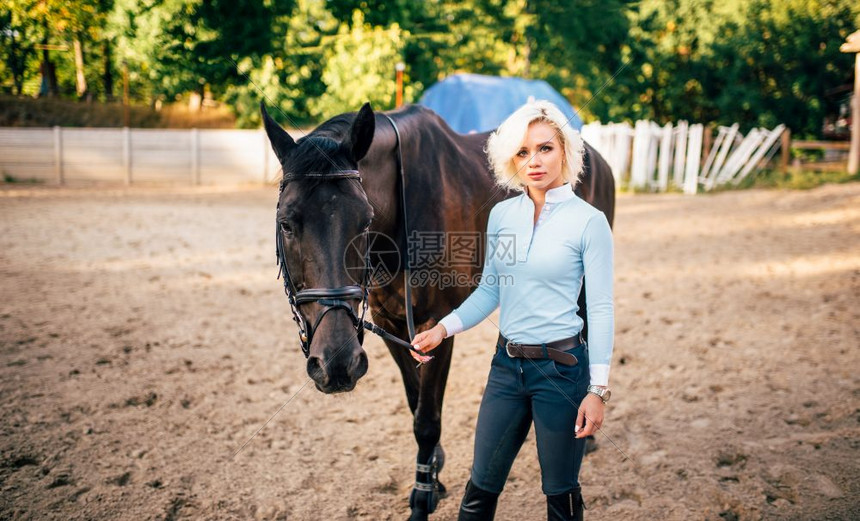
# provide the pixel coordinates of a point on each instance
(126, 154)
(195, 156)
(680, 153)
(694, 159)
(665, 157)
(58, 154)
(785, 152)
(265, 156)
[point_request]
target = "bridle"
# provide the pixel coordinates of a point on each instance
(329, 298)
(342, 297)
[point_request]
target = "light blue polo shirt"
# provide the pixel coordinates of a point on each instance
(535, 273)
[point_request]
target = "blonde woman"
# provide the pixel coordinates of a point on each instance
(541, 245)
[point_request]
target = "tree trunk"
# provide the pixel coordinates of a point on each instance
(49, 76)
(80, 77)
(16, 62)
(107, 77)
(48, 71)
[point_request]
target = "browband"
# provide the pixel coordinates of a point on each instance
(342, 174)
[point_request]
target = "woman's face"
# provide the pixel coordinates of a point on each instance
(540, 157)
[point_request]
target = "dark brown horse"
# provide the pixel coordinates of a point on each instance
(341, 187)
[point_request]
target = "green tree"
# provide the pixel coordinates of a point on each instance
(19, 33)
(289, 77)
(177, 46)
(351, 81)
(779, 63)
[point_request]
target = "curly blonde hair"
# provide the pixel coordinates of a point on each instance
(506, 140)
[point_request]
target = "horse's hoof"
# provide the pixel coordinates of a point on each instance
(423, 502)
(443, 492)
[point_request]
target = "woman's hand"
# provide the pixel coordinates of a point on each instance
(590, 411)
(428, 341)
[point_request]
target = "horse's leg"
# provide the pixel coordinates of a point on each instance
(425, 389)
(427, 427)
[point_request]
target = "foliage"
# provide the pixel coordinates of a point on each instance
(755, 62)
(780, 62)
(176, 46)
(350, 82)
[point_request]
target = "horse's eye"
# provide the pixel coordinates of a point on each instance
(285, 228)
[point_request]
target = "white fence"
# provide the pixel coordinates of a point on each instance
(651, 157)
(70, 155)
(648, 156)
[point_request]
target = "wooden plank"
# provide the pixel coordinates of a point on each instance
(26, 155)
(680, 153)
(821, 145)
(641, 142)
(265, 156)
(665, 157)
(146, 155)
(126, 155)
(27, 137)
(651, 161)
(195, 156)
(160, 139)
(712, 154)
(27, 171)
(694, 158)
(821, 166)
(770, 139)
(621, 140)
(720, 160)
(238, 140)
(58, 153)
(92, 137)
(785, 146)
(742, 155)
(92, 155)
(83, 172)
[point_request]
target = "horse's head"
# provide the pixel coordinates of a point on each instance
(323, 214)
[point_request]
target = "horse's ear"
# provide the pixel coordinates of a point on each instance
(361, 133)
(278, 137)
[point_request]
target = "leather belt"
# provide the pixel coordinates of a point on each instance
(553, 350)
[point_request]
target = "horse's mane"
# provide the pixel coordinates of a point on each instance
(409, 118)
(319, 151)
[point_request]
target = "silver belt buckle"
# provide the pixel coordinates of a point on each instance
(508, 348)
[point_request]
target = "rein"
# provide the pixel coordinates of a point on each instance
(342, 297)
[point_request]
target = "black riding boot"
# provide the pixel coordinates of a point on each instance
(477, 504)
(565, 507)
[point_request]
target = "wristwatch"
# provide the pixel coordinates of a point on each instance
(603, 392)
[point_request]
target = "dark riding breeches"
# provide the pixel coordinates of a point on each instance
(518, 392)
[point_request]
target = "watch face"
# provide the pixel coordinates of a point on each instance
(606, 394)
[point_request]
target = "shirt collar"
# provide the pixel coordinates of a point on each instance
(557, 194)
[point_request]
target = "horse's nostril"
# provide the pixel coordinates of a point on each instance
(359, 366)
(316, 370)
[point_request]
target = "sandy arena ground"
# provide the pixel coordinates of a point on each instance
(144, 338)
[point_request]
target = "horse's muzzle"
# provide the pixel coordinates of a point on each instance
(339, 374)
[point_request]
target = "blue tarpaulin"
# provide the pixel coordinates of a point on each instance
(477, 103)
